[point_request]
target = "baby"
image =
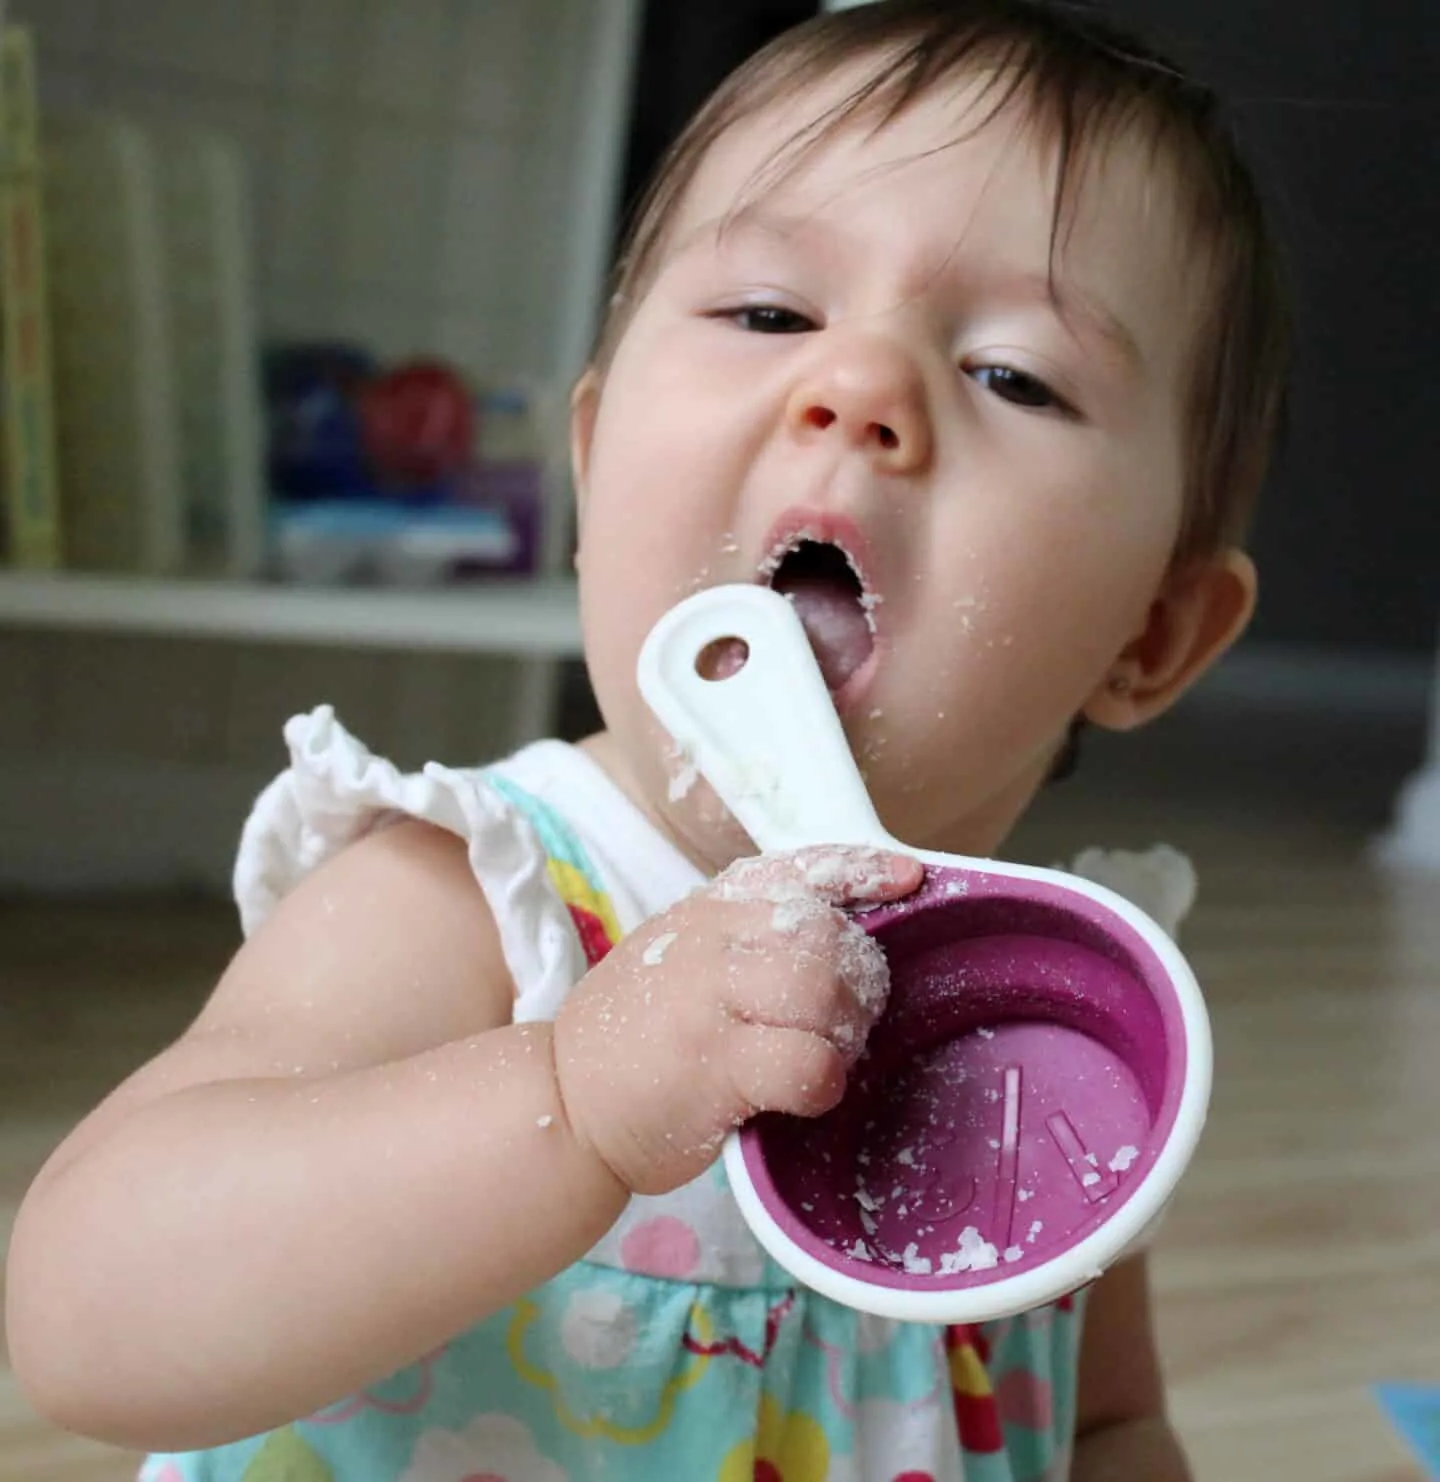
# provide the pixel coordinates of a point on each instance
(958, 323)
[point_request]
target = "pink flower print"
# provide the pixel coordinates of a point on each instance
(664, 1247)
(1026, 1399)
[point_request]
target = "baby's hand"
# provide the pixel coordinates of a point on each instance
(755, 994)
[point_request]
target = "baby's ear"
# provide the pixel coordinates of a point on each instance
(1201, 609)
(584, 407)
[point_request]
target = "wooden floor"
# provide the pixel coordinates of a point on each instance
(1302, 1261)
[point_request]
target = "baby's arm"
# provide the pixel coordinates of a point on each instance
(1122, 1433)
(348, 1157)
(352, 1155)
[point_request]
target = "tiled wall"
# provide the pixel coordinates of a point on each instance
(410, 159)
(418, 168)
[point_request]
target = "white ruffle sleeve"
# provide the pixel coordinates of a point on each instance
(335, 791)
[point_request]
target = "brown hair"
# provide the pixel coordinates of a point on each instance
(1084, 82)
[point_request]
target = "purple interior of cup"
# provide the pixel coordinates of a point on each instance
(1024, 1077)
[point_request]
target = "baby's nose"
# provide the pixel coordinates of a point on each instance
(869, 391)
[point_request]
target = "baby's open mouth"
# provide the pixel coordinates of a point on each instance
(824, 585)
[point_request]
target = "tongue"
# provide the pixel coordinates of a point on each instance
(834, 621)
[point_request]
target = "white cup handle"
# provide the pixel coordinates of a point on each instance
(767, 738)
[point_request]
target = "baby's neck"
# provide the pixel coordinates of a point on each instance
(710, 855)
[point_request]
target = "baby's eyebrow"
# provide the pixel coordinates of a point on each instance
(757, 221)
(783, 224)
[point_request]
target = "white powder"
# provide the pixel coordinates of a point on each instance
(546, 1121)
(1123, 1159)
(860, 1252)
(789, 916)
(869, 601)
(1035, 1229)
(829, 869)
(1092, 1160)
(1026, 1195)
(986, 1033)
(1014, 1253)
(771, 564)
(916, 1264)
(865, 1199)
(684, 780)
(973, 1254)
(655, 952)
(981, 1253)
(1090, 1180)
(906, 1157)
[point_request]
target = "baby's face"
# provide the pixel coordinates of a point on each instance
(867, 358)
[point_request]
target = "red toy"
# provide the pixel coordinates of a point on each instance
(418, 424)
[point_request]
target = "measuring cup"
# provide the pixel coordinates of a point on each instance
(1039, 1079)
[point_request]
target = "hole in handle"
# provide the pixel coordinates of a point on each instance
(722, 659)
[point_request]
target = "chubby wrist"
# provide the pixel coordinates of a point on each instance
(556, 1117)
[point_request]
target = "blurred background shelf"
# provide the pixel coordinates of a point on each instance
(530, 618)
(334, 197)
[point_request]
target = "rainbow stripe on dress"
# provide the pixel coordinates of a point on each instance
(572, 872)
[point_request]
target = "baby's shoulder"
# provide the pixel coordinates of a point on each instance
(336, 793)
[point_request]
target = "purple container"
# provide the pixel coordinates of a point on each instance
(1017, 1091)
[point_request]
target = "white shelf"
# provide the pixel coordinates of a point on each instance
(530, 619)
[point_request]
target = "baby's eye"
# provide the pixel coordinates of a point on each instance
(1016, 386)
(768, 319)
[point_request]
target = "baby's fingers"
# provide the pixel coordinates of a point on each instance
(839, 874)
(775, 1069)
(853, 876)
